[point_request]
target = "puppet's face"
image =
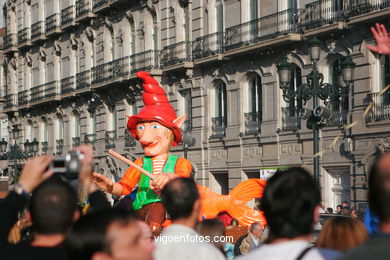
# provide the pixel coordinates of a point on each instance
(155, 138)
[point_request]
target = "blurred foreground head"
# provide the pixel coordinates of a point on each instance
(289, 202)
(379, 187)
(109, 234)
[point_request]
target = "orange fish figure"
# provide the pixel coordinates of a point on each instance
(234, 203)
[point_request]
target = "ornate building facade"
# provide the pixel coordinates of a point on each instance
(70, 78)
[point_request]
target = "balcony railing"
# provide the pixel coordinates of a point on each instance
(260, 29)
(37, 29)
(10, 41)
(339, 118)
(22, 97)
(83, 79)
(83, 7)
(252, 123)
(290, 119)
(76, 141)
(59, 146)
(323, 12)
(90, 139)
(51, 89)
(144, 61)
(47, 90)
(45, 147)
(99, 3)
(37, 93)
(110, 139)
(358, 7)
(68, 85)
(67, 15)
(218, 127)
(129, 140)
(175, 53)
(52, 22)
(111, 70)
(208, 45)
(24, 35)
(381, 107)
(9, 100)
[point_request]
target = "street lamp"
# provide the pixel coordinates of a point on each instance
(315, 89)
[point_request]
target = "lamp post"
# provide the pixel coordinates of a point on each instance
(315, 89)
(15, 153)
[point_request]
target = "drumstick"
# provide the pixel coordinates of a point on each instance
(129, 162)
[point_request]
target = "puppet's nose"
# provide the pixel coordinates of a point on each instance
(148, 136)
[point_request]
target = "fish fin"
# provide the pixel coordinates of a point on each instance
(246, 215)
(248, 190)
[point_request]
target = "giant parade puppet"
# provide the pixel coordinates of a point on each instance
(157, 128)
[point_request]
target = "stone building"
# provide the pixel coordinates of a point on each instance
(70, 78)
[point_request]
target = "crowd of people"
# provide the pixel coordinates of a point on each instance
(49, 208)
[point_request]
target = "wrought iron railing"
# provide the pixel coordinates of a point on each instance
(260, 29)
(380, 109)
(339, 118)
(37, 93)
(45, 147)
(24, 35)
(175, 53)
(67, 15)
(68, 85)
(90, 139)
(83, 7)
(76, 141)
(252, 123)
(323, 12)
(9, 100)
(101, 73)
(99, 3)
(52, 22)
(22, 97)
(83, 79)
(208, 45)
(37, 29)
(110, 139)
(358, 7)
(218, 126)
(144, 61)
(59, 146)
(51, 89)
(111, 70)
(290, 119)
(10, 41)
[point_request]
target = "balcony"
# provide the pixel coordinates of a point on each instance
(10, 43)
(23, 98)
(175, 53)
(44, 91)
(9, 101)
(110, 139)
(37, 31)
(129, 140)
(144, 61)
(339, 118)
(90, 139)
(45, 147)
(208, 45)
(68, 85)
(111, 70)
(218, 127)
(290, 119)
(67, 17)
(264, 28)
(359, 7)
(321, 13)
(24, 37)
(59, 146)
(83, 9)
(381, 107)
(252, 123)
(76, 141)
(53, 24)
(99, 5)
(51, 89)
(83, 79)
(37, 93)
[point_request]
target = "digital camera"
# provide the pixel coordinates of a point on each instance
(68, 165)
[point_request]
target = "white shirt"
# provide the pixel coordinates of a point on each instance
(289, 250)
(181, 242)
(256, 241)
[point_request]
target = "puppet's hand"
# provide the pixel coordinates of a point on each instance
(161, 180)
(382, 40)
(103, 182)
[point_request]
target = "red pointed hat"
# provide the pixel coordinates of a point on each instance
(157, 108)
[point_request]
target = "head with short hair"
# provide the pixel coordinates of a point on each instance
(339, 208)
(329, 210)
(289, 201)
(379, 187)
(179, 197)
(112, 233)
(53, 206)
(212, 228)
(341, 233)
(256, 229)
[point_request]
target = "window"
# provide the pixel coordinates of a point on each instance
(296, 81)
(77, 126)
(384, 76)
(60, 126)
(219, 117)
(185, 103)
(253, 110)
(336, 79)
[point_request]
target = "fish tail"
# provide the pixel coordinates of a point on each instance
(248, 190)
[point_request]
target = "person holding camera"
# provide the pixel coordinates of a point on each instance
(53, 208)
